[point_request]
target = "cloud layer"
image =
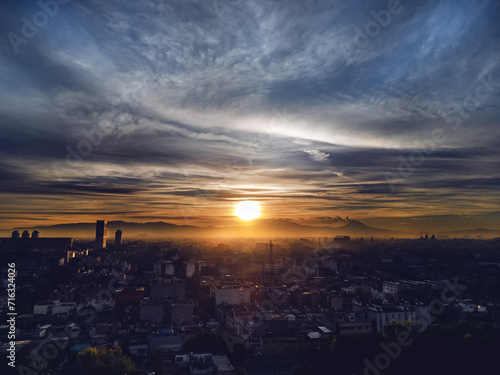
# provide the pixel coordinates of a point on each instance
(319, 109)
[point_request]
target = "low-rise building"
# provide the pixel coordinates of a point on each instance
(382, 315)
(354, 328)
(233, 295)
(53, 308)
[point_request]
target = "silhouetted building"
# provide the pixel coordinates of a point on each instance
(28, 244)
(25, 234)
(35, 234)
(342, 239)
(118, 237)
(101, 232)
(15, 234)
(36, 261)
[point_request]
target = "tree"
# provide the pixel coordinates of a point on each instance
(103, 361)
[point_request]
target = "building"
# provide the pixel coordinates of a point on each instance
(201, 364)
(354, 328)
(15, 243)
(152, 311)
(182, 313)
(168, 289)
(101, 233)
(53, 308)
(233, 295)
(394, 287)
(71, 254)
(164, 268)
(397, 287)
(171, 343)
(138, 346)
(223, 365)
(191, 268)
(342, 239)
(35, 261)
(118, 237)
(129, 296)
(382, 315)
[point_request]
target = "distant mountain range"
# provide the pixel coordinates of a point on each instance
(260, 228)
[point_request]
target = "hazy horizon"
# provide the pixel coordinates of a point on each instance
(258, 228)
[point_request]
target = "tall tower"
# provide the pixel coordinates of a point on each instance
(118, 237)
(271, 251)
(101, 232)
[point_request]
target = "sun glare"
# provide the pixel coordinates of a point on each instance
(247, 210)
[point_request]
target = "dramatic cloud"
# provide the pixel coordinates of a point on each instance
(176, 109)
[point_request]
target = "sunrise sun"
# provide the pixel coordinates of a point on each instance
(247, 210)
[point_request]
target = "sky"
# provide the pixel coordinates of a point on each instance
(384, 111)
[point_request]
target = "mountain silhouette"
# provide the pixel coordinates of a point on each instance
(355, 228)
(257, 228)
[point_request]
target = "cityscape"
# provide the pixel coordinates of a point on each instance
(249, 187)
(236, 305)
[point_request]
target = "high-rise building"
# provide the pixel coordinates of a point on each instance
(15, 234)
(25, 234)
(118, 237)
(101, 232)
(35, 234)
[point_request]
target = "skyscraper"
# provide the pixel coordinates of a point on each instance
(101, 232)
(118, 237)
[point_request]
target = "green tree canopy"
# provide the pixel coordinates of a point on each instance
(103, 361)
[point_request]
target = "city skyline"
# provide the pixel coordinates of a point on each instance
(385, 112)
